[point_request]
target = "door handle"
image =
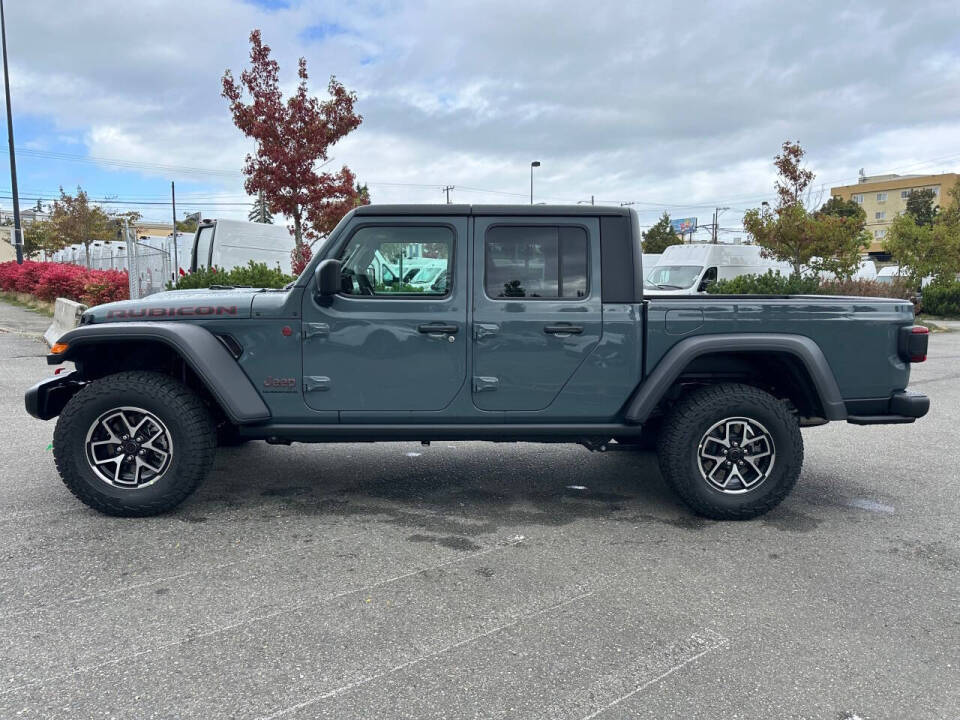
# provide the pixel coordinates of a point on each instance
(563, 330)
(438, 329)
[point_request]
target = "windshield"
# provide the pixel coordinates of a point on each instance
(671, 277)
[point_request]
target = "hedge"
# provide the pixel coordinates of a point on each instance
(942, 299)
(253, 274)
(48, 281)
(776, 284)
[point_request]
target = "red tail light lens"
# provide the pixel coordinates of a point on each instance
(920, 330)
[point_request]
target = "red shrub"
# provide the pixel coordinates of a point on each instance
(59, 280)
(48, 281)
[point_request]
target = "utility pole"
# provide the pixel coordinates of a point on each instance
(447, 190)
(17, 232)
(534, 164)
(716, 221)
(176, 263)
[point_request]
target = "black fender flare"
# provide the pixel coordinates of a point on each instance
(649, 393)
(199, 348)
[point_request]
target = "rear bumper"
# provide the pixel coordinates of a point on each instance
(902, 407)
(47, 398)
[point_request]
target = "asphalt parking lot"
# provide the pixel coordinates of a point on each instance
(472, 580)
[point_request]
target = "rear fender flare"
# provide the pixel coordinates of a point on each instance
(652, 390)
(199, 348)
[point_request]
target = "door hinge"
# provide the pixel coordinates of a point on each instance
(485, 384)
(316, 383)
(482, 330)
(315, 329)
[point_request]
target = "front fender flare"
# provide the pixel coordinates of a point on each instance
(649, 393)
(199, 348)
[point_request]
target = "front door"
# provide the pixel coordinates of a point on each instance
(537, 309)
(394, 338)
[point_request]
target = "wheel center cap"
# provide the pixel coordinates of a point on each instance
(736, 454)
(130, 447)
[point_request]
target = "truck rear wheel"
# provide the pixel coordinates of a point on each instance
(730, 451)
(134, 444)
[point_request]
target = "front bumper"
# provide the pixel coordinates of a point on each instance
(47, 398)
(902, 407)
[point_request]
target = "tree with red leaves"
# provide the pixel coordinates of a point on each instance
(293, 139)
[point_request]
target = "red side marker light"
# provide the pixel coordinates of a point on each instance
(287, 331)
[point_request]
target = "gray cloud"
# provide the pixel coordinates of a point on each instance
(673, 102)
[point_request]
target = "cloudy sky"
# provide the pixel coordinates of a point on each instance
(671, 106)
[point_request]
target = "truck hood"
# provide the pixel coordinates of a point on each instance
(177, 305)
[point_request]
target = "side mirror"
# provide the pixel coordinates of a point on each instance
(327, 278)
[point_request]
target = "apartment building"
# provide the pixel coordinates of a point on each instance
(883, 197)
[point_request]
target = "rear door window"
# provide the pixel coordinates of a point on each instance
(537, 261)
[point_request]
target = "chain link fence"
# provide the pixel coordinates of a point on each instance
(148, 259)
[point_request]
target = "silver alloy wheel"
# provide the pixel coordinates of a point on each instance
(129, 447)
(736, 455)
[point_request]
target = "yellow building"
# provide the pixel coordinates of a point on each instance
(883, 197)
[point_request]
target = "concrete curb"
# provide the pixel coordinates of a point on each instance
(66, 316)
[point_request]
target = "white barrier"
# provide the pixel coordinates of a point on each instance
(66, 316)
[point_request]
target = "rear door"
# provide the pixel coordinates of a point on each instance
(536, 307)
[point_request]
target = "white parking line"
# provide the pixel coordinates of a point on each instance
(168, 578)
(439, 651)
(717, 641)
(255, 619)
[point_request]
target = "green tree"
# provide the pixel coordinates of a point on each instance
(260, 212)
(839, 207)
(39, 238)
(76, 222)
(924, 250)
(187, 225)
(829, 240)
(920, 206)
(661, 236)
(841, 232)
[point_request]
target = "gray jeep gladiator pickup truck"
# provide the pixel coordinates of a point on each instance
(457, 322)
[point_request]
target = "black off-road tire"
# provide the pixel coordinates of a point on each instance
(180, 409)
(694, 415)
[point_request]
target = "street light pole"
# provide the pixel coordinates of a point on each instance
(534, 164)
(17, 232)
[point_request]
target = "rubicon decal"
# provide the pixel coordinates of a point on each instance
(172, 312)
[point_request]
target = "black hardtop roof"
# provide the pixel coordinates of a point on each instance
(513, 210)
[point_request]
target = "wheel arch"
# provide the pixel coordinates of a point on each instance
(99, 350)
(792, 365)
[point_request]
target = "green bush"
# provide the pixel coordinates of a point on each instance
(772, 283)
(942, 299)
(254, 274)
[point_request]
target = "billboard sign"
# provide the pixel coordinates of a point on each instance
(684, 226)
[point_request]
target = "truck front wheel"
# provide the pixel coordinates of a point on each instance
(730, 451)
(134, 443)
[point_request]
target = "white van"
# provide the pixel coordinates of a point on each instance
(227, 244)
(892, 272)
(689, 269)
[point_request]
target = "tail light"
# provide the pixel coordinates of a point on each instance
(913, 343)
